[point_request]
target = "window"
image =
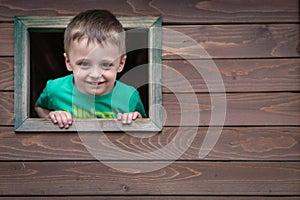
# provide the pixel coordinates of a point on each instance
(39, 57)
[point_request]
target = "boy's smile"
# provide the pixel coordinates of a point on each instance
(95, 66)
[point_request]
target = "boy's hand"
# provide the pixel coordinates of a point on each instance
(62, 118)
(127, 118)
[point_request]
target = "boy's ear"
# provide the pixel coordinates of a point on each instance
(122, 63)
(68, 64)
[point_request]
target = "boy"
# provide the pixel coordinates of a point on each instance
(94, 45)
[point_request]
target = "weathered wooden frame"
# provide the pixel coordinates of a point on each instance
(22, 121)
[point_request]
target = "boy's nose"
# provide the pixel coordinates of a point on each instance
(96, 72)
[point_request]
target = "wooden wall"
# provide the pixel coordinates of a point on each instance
(255, 45)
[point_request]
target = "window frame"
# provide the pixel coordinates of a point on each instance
(22, 121)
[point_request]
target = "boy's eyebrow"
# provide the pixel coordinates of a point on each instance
(106, 60)
(82, 59)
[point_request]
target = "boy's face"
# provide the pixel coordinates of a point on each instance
(94, 66)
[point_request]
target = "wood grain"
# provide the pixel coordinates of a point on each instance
(193, 12)
(180, 178)
(240, 143)
(243, 109)
(217, 41)
(256, 48)
(149, 197)
(6, 39)
(231, 41)
(6, 108)
(247, 75)
(6, 74)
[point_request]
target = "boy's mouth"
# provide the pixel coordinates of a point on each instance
(96, 83)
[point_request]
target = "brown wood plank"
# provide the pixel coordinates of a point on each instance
(238, 75)
(259, 75)
(6, 108)
(193, 12)
(240, 143)
(6, 39)
(6, 73)
(243, 109)
(231, 41)
(219, 41)
(149, 197)
(183, 178)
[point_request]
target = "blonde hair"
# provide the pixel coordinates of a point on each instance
(97, 26)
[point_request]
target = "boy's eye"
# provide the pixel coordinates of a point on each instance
(84, 64)
(106, 65)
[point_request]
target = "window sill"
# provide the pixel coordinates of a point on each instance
(88, 125)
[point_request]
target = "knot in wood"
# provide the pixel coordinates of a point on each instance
(125, 188)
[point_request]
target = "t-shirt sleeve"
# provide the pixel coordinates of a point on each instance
(44, 100)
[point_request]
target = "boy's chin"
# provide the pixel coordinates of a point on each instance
(97, 93)
(96, 90)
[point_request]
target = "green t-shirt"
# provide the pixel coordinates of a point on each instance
(61, 94)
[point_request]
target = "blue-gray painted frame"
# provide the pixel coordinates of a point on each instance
(22, 121)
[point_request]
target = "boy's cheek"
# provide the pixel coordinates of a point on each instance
(79, 75)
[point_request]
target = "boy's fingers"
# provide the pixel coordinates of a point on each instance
(136, 115)
(129, 118)
(61, 118)
(69, 118)
(124, 118)
(119, 116)
(64, 119)
(53, 117)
